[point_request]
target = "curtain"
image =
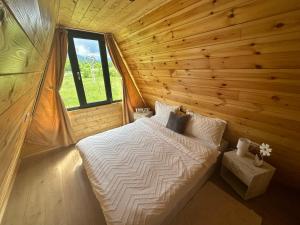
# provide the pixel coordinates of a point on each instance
(50, 126)
(131, 95)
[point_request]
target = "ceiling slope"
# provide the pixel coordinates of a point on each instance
(103, 15)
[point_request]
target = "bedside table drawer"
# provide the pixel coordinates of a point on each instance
(236, 171)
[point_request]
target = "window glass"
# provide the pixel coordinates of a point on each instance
(89, 60)
(90, 78)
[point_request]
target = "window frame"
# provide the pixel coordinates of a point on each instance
(77, 73)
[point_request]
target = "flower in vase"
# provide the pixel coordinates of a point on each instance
(265, 150)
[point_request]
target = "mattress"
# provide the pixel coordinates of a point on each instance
(140, 172)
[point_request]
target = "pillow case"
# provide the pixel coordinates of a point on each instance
(162, 112)
(177, 122)
(206, 128)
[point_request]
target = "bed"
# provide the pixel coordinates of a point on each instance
(143, 173)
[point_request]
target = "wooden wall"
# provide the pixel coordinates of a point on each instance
(86, 122)
(25, 39)
(234, 59)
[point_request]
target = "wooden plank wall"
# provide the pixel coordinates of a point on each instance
(25, 39)
(234, 59)
(86, 122)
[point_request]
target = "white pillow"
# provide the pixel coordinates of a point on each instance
(162, 112)
(206, 128)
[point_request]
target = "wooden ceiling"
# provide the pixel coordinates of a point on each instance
(104, 15)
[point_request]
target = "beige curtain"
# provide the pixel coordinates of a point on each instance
(50, 127)
(131, 95)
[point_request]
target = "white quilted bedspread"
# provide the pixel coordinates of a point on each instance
(140, 171)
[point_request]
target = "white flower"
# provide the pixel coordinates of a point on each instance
(265, 149)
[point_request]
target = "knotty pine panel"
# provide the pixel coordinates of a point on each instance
(264, 45)
(86, 122)
(170, 8)
(15, 86)
(17, 97)
(278, 24)
(17, 54)
(243, 11)
(195, 12)
(19, 109)
(26, 35)
(237, 60)
(102, 15)
(38, 19)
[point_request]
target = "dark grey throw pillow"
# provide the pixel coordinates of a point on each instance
(177, 122)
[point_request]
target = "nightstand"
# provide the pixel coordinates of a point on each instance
(138, 115)
(246, 179)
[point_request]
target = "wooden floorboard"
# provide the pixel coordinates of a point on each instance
(278, 206)
(53, 189)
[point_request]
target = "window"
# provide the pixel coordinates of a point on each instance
(90, 78)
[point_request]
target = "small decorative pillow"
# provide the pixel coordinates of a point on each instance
(177, 122)
(206, 128)
(162, 112)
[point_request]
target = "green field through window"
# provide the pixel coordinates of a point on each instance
(68, 89)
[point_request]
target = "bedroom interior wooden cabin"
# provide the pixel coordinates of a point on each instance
(149, 112)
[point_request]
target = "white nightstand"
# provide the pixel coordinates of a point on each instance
(245, 178)
(138, 115)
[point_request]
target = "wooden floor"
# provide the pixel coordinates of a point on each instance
(278, 206)
(52, 189)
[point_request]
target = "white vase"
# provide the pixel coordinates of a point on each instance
(242, 146)
(257, 161)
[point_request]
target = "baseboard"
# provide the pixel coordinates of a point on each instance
(45, 151)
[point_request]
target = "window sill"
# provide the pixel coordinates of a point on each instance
(93, 105)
